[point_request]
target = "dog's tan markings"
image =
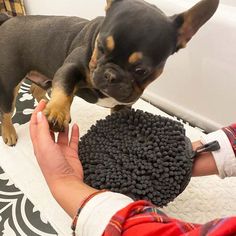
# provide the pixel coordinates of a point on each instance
(93, 60)
(58, 109)
(135, 57)
(89, 82)
(8, 131)
(109, 3)
(37, 92)
(110, 43)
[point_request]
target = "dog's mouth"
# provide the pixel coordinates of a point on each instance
(121, 98)
(122, 91)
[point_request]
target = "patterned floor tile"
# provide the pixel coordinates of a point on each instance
(18, 216)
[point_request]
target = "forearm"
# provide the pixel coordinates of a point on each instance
(70, 193)
(204, 164)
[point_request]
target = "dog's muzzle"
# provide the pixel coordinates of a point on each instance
(116, 84)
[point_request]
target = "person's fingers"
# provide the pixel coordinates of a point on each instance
(33, 121)
(40, 107)
(43, 131)
(63, 137)
(74, 138)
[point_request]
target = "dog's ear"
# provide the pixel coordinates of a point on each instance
(189, 22)
(109, 3)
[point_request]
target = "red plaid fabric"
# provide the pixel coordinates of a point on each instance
(12, 7)
(141, 218)
(230, 131)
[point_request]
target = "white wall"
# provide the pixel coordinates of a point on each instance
(199, 82)
(82, 8)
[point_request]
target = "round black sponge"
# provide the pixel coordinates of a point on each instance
(139, 154)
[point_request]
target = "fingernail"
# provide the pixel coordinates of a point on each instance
(39, 117)
(75, 126)
(43, 100)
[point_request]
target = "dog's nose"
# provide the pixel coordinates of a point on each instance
(109, 76)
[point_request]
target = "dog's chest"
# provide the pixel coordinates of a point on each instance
(108, 102)
(96, 97)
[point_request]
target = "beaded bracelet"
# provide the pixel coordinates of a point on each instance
(74, 223)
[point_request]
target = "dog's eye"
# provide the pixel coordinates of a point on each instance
(140, 71)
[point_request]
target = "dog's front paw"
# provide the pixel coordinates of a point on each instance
(9, 135)
(58, 117)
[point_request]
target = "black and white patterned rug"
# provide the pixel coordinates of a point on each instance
(18, 216)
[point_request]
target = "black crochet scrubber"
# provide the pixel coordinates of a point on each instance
(139, 154)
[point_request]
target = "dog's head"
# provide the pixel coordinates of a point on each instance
(134, 42)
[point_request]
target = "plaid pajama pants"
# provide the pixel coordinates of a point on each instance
(12, 7)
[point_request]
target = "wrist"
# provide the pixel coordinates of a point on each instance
(225, 157)
(70, 192)
(204, 164)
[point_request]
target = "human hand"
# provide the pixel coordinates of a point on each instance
(59, 162)
(57, 159)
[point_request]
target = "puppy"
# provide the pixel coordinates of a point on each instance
(108, 61)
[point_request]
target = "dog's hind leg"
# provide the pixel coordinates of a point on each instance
(8, 131)
(38, 93)
(40, 84)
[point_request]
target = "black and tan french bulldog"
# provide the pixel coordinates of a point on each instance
(108, 61)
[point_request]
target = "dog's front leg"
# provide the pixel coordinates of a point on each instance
(63, 88)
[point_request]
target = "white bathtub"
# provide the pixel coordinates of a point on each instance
(198, 83)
